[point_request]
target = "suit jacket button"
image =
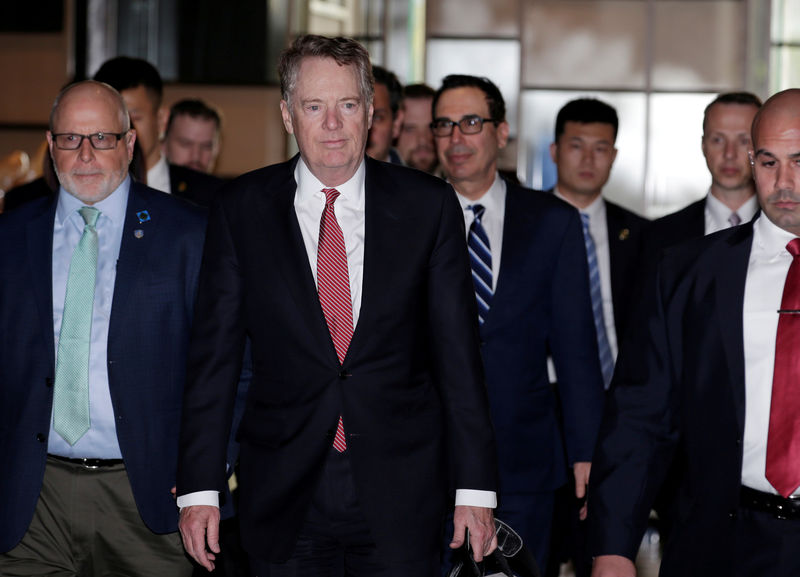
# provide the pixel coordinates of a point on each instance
(40, 437)
(343, 374)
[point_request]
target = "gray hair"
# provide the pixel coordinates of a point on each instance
(344, 51)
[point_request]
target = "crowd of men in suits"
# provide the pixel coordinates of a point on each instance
(385, 352)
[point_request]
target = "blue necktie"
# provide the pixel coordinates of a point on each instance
(71, 390)
(480, 257)
(606, 359)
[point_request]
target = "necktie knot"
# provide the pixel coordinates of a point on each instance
(331, 194)
(794, 247)
(585, 222)
(477, 210)
(734, 219)
(89, 215)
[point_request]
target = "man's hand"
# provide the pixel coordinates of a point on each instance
(482, 533)
(613, 566)
(200, 524)
(581, 472)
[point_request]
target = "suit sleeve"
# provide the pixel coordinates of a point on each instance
(573, 343)
(638, 434)
(455, 343)
(214, 365)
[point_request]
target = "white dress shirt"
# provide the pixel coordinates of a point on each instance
(494, 201)
(717, 213)
(598, 229)
(158, 176)
(100, 441)
(309, 203)
(766, 272)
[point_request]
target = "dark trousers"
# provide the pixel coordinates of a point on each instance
(86, 523)
(765, 545)
(335, 540)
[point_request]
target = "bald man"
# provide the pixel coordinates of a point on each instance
(712, 374)
(98, 289)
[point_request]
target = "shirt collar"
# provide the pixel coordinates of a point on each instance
(112, 207)
(491, 199)
(720, 212)
(594, 209)
(158, 175)
(309, 186)
(770, 239)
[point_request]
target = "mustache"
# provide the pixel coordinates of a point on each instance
(458, 149)
(783, 195)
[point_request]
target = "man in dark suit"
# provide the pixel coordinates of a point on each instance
(533, 298)
(96, 300)
(711, 373)
(731, 198)
(143, 90)
(388, 117)
(584, 152)
(367, 393)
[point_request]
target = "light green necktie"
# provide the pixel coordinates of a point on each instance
(71, 390)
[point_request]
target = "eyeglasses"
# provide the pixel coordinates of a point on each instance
(469, 124)
(98, 140)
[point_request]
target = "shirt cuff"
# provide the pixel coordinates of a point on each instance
(475, 498)
(210, 498)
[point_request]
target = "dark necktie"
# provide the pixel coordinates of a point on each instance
(480, 258)
(71, 390)
(783, 440)
(595, 290)
(333, 287)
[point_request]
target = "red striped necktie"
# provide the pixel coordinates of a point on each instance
(333, 286)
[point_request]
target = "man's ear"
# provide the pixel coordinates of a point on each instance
(162, 117)
(502, 134)
(286, 117)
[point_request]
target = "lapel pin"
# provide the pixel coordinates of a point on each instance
(138, 233)
(624, 233)
(143, 216)
(182, 186)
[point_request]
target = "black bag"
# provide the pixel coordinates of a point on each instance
(511, 557)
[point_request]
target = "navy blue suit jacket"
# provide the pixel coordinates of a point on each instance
(410, 389)
(541, 304)
(679, 391)
(154, 294)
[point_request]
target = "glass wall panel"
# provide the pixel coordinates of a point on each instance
(784, 64)
(473, 18)
(785, 20)
(538, 118)
(677, 172)
(498, 60)
(698, 45)
(571, 44)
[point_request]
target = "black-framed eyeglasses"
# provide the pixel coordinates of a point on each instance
(469, 124)
(98, 140)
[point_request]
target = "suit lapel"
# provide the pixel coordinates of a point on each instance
(730, 277)
(138, 234)
(380, 216)
(40, 266)
(280, 220)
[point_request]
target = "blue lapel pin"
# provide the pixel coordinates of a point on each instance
(143, 216)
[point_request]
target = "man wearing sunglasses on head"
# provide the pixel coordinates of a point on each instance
(532, 286)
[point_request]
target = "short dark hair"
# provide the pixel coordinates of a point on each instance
(124, 72)
(743, 98)
(195, 108)
(344, 51)
(389, 79)
(497, 106)
(418, 91)
(586, 111)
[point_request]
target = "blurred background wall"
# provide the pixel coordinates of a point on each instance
(659, 62)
